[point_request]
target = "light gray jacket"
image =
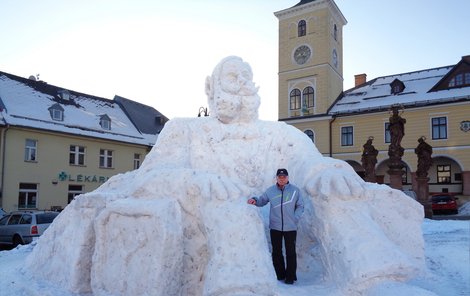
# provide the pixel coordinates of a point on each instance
(286, 206)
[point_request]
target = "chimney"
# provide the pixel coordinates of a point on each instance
(360, 79)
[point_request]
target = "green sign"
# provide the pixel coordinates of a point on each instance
(63, 176)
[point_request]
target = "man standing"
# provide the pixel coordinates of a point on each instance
(286, 208)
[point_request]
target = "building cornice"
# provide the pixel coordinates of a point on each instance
(299, 10)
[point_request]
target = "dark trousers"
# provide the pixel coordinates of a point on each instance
(282, 271)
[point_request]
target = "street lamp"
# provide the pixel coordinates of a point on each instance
(203, 111)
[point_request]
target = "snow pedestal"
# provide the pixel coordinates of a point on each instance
(137, 250)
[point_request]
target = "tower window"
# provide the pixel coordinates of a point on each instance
(302, 28)
(295, 99)
(309, 96)
(335, 32)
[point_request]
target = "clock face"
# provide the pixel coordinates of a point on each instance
(302, 54)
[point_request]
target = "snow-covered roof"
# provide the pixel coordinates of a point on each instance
(27, 103)
(419, 90)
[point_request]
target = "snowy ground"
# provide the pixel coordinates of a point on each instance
(447, 259)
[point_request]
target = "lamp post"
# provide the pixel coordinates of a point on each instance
(203, 111)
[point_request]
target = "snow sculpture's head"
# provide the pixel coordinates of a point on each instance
(232, 94)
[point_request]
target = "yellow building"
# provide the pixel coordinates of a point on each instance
(434, 102)
(57, 143)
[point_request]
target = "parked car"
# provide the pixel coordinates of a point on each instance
(2, 212)
(21, 227)
(444, 203)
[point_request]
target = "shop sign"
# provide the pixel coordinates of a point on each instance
(63, 176)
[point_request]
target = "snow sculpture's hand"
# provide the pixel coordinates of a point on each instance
(210, 186)
(336, 182)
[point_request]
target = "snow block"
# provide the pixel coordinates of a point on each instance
(148, 235)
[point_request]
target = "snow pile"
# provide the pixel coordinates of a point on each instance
(180, 224)
(464, 209)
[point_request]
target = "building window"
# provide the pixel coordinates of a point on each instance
(404, 177)
(335, 32)
(443, 173)
(137, 161)
(308, 95)
(310, 134)
(57, 112)
(467, 78)
(27, 198)
(106, 158)
(74, 190)
(347, 136)
(30, 150)
(77, 155)
(439, 128)
(105, 122)
(295, 99)
(302, 28)
(387, 136)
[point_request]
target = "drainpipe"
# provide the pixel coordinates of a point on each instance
(331, 136)
(3, 163)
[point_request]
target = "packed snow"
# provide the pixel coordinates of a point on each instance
(447, 273)
(180, 224)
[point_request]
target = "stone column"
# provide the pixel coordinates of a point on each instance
(466, 183)
(396, 172)
(423, 196)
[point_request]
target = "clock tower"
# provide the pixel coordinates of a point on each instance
(310, 60)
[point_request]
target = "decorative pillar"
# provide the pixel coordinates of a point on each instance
(424, 153)
(369, 159)
(466, 183)
(395, 151)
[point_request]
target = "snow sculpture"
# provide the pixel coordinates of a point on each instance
(180, 224)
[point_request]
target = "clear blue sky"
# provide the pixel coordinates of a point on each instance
(159, 52)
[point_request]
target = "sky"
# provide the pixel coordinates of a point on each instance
(160, 52)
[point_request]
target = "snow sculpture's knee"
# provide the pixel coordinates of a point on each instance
(70, 242)
(138, 248)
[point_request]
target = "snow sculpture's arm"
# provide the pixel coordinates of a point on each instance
(318, 175)
(330, 178)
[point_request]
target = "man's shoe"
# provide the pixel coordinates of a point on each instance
(281, 278)
(289, 282)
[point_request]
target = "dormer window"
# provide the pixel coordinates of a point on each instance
(105, 122)
(302, 28)
(57, 112)
(397, 86)
(64, 94)
(460, 80)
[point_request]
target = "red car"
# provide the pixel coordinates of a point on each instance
(444, 203)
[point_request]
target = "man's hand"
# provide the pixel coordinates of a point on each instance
(251, 201)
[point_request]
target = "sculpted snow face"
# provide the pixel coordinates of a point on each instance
(180, 224)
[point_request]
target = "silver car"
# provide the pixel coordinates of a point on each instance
(21, 227)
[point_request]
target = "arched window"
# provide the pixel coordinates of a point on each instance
(335, 32)
(308, 95)
(310, 134)
(302, 28)
(295, 99)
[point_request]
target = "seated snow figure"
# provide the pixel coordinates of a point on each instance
(180, 225)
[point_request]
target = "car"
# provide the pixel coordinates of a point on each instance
(22, 227)
(444, 203)
(2, 212)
